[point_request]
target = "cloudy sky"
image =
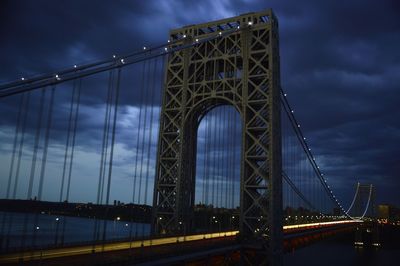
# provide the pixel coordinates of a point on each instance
(340, 65)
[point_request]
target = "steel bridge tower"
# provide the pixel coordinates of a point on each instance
(242, 70)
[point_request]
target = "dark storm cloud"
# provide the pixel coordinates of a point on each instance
(339, 60)
(340, 69)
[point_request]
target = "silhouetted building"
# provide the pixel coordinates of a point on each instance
(386, 211)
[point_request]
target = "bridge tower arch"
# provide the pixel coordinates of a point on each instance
(240, 69)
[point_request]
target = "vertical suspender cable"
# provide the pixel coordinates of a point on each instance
(68, 140)
(66, 153)
(141, 92)
(228, 160)
(16, 134)
(217, 149)
(113, 136)
(108, 128)
(105, 127)
(112, 147)
(228, 149)
(225, 158)
(221, 154)
(46, 142)
(20, 151)
(204, 161)
(71, 159)
(103, 164)
(142, 96)
(36, 144)
(220, 158)
(103, 156)
(214, 159)
(152, 90)
(232, 141)
(208, 161)
(111, 87)
(205, 168)
(21, 144)
(73, 138)
(145, 87)
(33, 168)
(44, 156)
(235, 137)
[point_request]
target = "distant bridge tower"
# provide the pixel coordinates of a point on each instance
(242, 70)
(364, 201)
(367, 233)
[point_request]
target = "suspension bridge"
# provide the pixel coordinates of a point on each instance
(185, 152)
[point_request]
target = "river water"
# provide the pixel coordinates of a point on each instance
(41, 230)
(340, 251)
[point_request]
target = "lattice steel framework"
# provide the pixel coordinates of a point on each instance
(242, 70)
